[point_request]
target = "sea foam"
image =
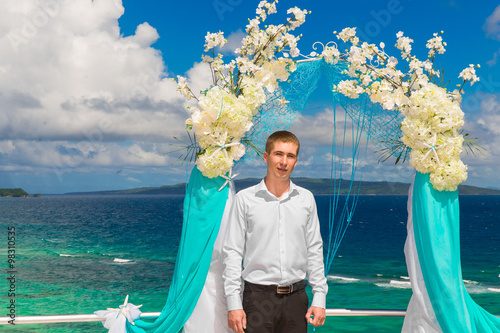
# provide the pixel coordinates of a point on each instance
(342, 279)
(122, 260)
(470, 282)
(395, 284)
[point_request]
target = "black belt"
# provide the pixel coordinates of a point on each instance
(284, 290)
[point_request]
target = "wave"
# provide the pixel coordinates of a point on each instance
(400, 284)
(122, 260)
(66, 255)
(473, 287)
(50, 240)
(395, 284)
(479, 288)
(470, 282)
(342, 279)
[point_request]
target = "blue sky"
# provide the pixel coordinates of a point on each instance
(87, 101)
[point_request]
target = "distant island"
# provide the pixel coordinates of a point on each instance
(15, 193)
(319, 186)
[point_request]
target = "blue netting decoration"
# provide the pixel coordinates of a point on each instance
(356, 122)
(276, 114)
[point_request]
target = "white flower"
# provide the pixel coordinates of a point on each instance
(237, 151)
(404, 44)
(214, 40)
(436, 44)
(449, 176)
(366, 79)
(214, 163)
(469, 74)
(273, 71)
(252, 24)
(349, 88)
(330, 54)
(392, 62)
(347, 34)
(456, 95)
(299, 17)
(182, 87)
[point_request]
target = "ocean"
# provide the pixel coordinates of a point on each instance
(79, 254)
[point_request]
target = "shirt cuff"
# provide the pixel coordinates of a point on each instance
(234, 303)
(319, 300)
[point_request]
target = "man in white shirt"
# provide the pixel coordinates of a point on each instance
(274, 230)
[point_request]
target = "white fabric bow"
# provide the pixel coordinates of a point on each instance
(116, 319)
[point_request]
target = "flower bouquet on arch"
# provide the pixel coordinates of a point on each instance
(223, 112)
(433, 117)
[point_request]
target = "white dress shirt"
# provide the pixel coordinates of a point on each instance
(278, 240)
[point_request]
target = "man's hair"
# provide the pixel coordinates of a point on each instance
(281, 136)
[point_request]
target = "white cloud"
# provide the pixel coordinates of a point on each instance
(66, 70)
(76, 96)
(489, 118)
(485, 126)
(145, 35)
(132, 179)
(84, 155)
(493, 61)
(233, 41)
(199, 77)
(492, 28)
(6, 147)
(308, 162)
(492, 24)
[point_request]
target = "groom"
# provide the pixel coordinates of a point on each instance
(274, 231)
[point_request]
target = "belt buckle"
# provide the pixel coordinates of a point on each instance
(283, 290)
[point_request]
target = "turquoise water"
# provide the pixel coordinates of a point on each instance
(79, 254)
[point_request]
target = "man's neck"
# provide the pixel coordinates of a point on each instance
(277, 187)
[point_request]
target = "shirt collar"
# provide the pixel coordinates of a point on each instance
(292, 190)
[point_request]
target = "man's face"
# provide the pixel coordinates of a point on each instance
(281, 160)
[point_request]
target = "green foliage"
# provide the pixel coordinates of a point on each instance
(13, 192)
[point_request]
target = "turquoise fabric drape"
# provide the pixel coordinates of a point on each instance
(203, 209)
(436, 221)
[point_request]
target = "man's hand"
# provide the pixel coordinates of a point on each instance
(237, 320)
(316, 316)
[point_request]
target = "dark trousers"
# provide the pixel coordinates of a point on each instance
(269, 312)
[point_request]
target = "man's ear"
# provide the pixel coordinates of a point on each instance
(265, 156)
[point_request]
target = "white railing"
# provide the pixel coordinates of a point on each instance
(92, 317)
(78, 318)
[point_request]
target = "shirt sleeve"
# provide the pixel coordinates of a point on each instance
(232, 256)
(315, 267)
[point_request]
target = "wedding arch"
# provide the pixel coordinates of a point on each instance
(262, 90)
